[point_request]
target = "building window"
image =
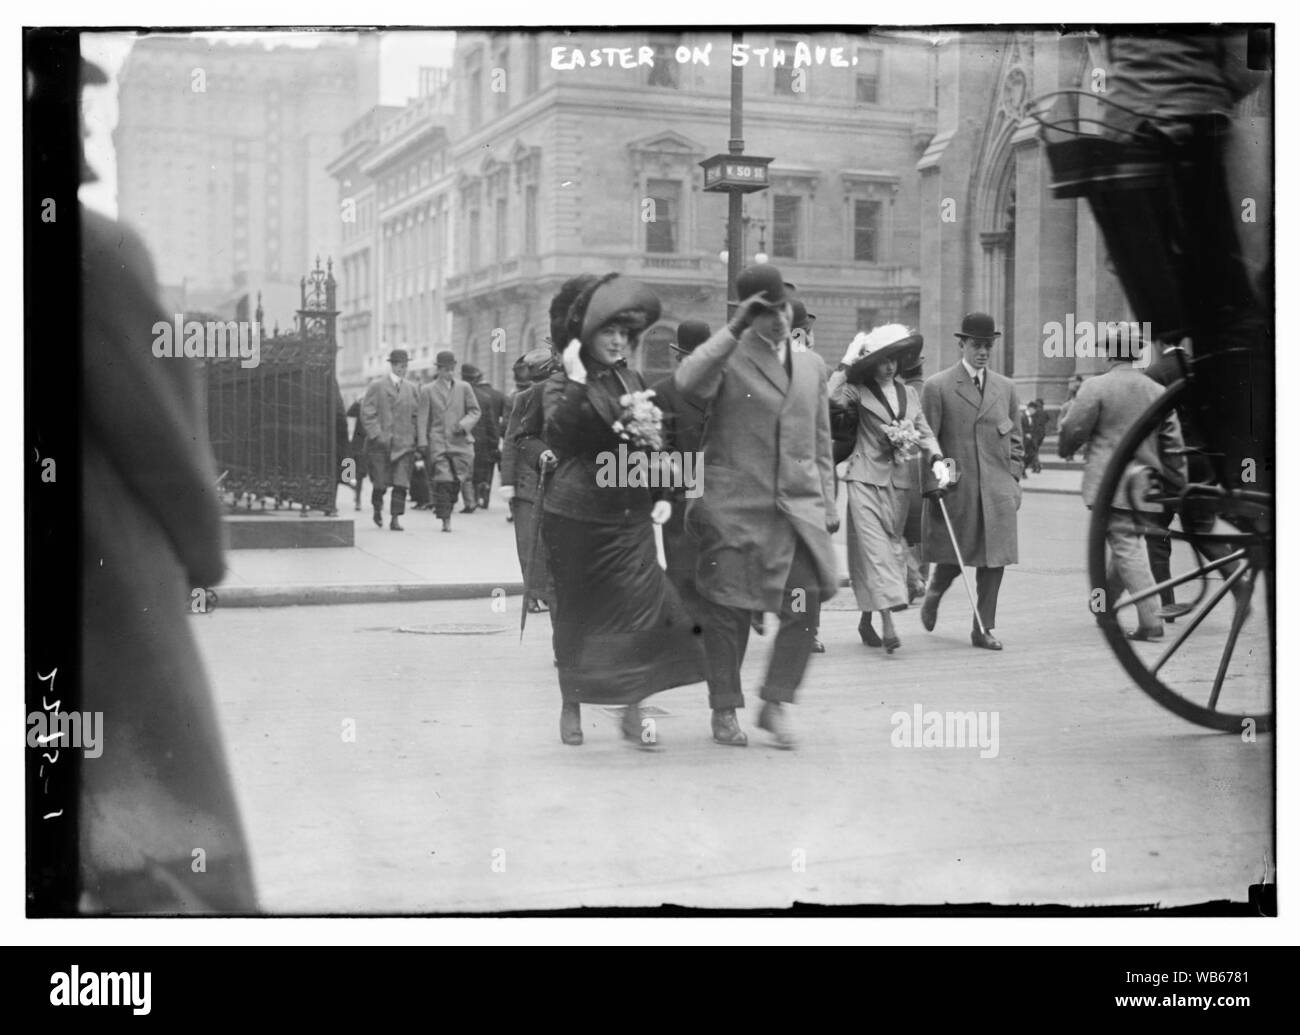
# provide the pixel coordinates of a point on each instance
(664, 70)
(866, 231)
(785, 226)
(661, 232)
(501, 230)
(475, 256)
(868, 318)
(785, 73)
(868, 76)
(530, 220)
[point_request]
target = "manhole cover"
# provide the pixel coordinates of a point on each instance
(452, 629)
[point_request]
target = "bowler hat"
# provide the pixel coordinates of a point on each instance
(802, 319)
(690, 335)
(978, 326)
(765, 279)
(445, 359)
(399, 356)
(537, 365)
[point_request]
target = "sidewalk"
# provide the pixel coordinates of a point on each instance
(422, 563)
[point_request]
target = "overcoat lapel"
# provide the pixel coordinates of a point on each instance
(768, 365)
(992, 394)
(968, 389)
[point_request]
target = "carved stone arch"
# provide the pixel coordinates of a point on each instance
(994, 198)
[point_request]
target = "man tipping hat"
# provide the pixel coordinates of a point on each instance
(763, 526)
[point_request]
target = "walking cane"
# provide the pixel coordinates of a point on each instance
(937, 495)
(970, 590)
(532, 551)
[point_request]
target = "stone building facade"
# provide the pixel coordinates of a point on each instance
(994, 238)
(558, 169)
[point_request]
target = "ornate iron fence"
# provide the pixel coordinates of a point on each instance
(274, 426)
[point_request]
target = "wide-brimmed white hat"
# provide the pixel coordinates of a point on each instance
(892, 341)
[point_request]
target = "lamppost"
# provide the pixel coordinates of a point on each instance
(737, 174)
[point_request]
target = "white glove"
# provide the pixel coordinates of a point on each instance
(854, 351)
(661, 512)
(507, 492)
(942, 474)
(573, 362)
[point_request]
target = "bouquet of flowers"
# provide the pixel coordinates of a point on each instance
(904, 437)
(642, 421)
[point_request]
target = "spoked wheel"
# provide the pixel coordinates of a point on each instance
(1213, 667)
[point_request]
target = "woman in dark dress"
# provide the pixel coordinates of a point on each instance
(621, 631)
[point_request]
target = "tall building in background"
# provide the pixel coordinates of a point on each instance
(222, 153)
(558, 168)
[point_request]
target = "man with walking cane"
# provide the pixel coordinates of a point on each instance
(975, 415)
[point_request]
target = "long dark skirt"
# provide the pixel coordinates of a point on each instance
(621, 632)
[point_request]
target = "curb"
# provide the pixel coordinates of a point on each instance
(360, 593)
(370, 593)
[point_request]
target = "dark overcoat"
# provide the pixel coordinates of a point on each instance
(151, 536)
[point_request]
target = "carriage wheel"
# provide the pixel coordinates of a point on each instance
(1214, 667)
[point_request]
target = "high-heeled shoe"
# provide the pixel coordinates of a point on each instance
(571, 724)
(867, 632)
(891, 644)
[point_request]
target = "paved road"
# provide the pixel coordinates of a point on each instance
(456, 794)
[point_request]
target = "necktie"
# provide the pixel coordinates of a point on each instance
(979, 380)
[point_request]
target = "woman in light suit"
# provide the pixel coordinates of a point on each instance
(880, 473)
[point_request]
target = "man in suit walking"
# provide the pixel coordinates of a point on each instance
(975, 415)
(1106, 408)
(766, 516)
(448, 411)
(388, 415)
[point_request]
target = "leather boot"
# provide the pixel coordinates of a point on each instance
(726, 729)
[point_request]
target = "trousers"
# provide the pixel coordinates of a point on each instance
(987, 583)
(726, 635)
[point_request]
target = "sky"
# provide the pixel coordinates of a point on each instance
(401, 55)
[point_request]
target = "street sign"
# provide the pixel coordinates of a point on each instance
(743, 173)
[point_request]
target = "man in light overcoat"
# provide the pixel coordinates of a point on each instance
(975, 415)
(388, 414)
(448, 412)
(765, 518)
